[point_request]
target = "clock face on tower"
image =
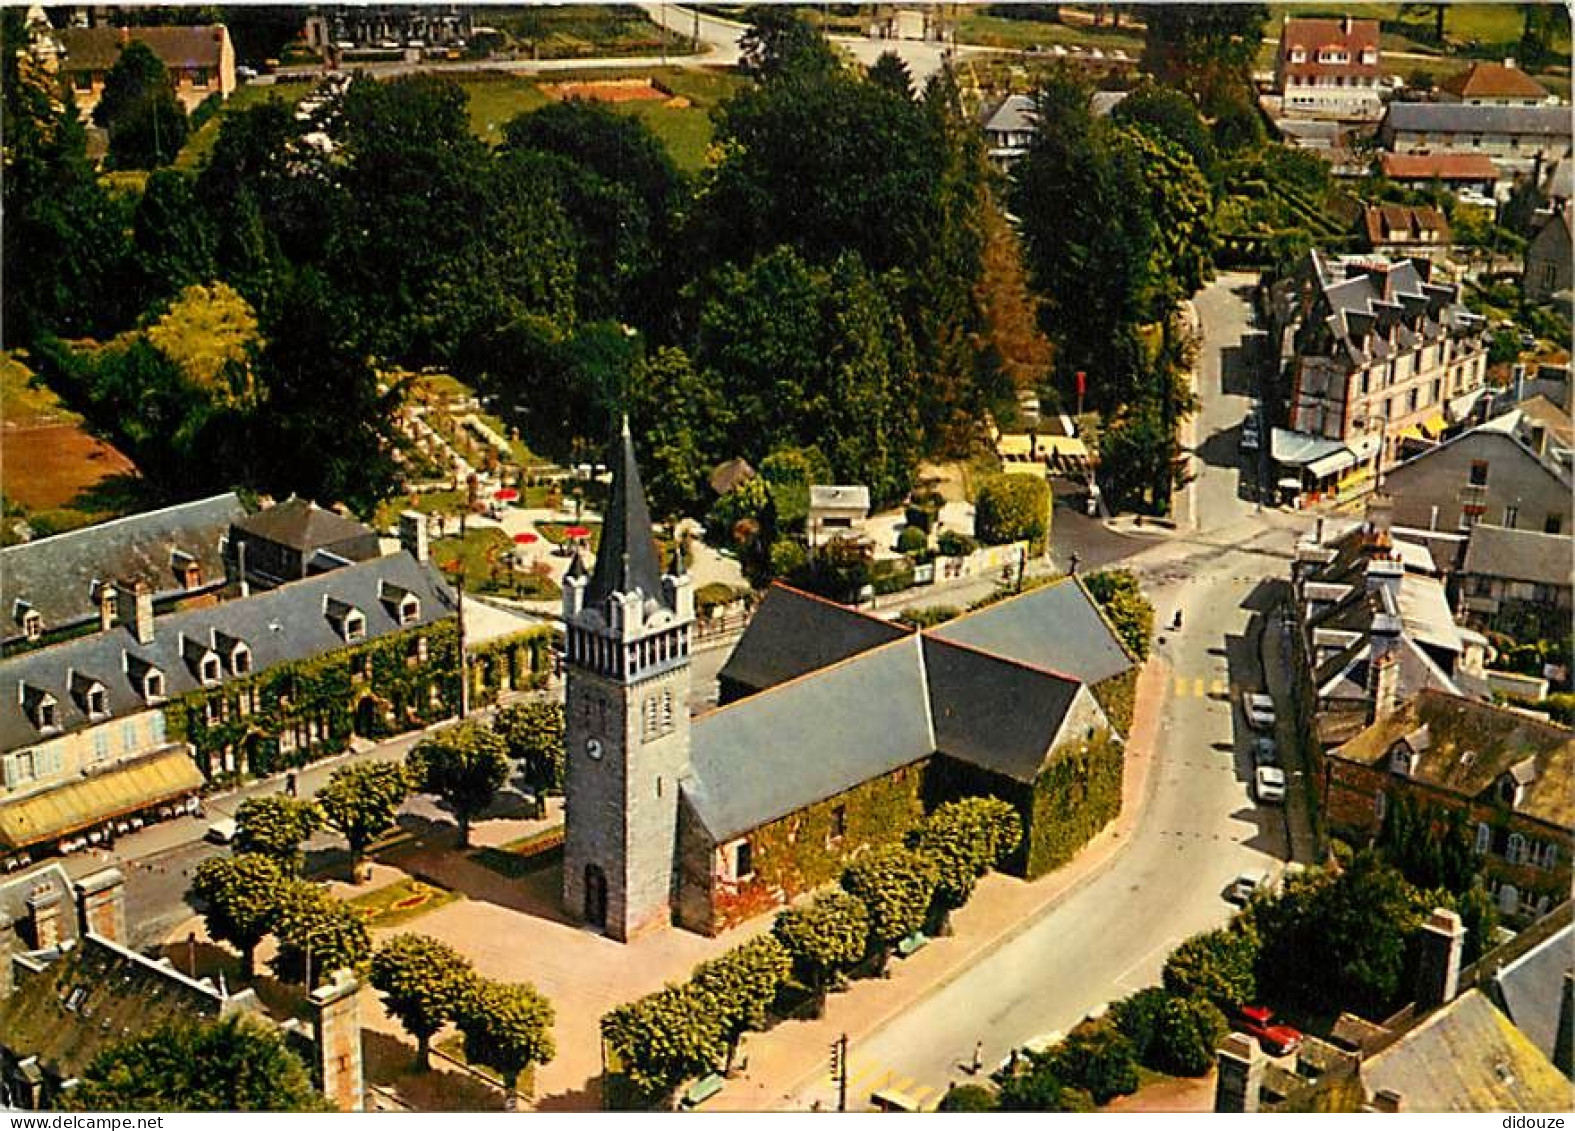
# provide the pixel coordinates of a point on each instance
(593, 747)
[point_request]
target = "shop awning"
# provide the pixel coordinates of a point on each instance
(1325, 466)
(1434, 425)
(1414, 432)
(90, 801)
(1366, 447)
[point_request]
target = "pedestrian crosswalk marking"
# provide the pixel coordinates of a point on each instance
(1217, 687)
(1197, 687)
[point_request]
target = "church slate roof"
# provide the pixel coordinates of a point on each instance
(626, 555)
(279, 625)
(992, 712)
(794, 633)
(1057, 627)
(809, 739)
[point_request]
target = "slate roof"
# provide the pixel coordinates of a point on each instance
(1497, 739)
(1493, 80)
(833, 497)
(1530, 988)
(626, 555)
(1443, 166)
(809, 739)
(794, 633)
(55, 575)
(992, 712)
(279, 625)
(97, 49)
(1463, 118)
(1014, 115)
(1520, 555)
(93, 997)
(1467, 1056)
(302, 525)
(730, 475)
(1056, 627)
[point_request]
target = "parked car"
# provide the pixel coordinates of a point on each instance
(1241, 889)
(223, 831)
(1264, 752)
(1259, 709)
(1276, 1038)
(1269, 785)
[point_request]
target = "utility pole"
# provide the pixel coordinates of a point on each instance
(839, 1070)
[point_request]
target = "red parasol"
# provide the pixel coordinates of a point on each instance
(505, 494)
(525, 539)
(578, 532)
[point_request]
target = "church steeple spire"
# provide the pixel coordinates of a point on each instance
(626, 558)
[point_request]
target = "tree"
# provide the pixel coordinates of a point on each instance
(465, 765)
(1431, 849)
(275, 826)
(742, 984)
(424, 984)
(1098, 1059)
(665, 1038)
(965, 839)
(317, 935)
(1139, 462)
(533, 734)
(1136, 1017)
(146, 122)
(896, 885)
(360, 801)
(1207, 51)
(780, 43)
(240, 896)
(1013, 508)
(172, 243)
(1186, 1033)
(1171, 116)
(1041, 1088)
(1216, 965)
(679, 417)
(64, 245)
(789, 473)
(1121, 599)
(1182, 207)
(968, 1097)
(236, 1063)
(507, 1026)
(891, 73)
(825, 936)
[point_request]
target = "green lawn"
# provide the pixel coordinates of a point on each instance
(201, 143)
(487, 556)
(496, 99)
(686, 132)
(1019, 35)
(402, 901)
(557, 532)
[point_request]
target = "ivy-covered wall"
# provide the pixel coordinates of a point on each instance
(1117, 697)
(800, 852)
(295, 713)
(1076, 795)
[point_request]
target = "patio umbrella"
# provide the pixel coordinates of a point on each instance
(578, 532)
(524, 539)
(505, 494)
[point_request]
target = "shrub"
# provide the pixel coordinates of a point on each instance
(928, 617)
(968, 1097)
(712, 594)
(896, 886)
(1012, 508)
(789, 559)
(951, 544)
(891, 575)
(1186, 1033)
(1121, 599)
(1137, 1017)
(912, 540)
(1097, 1058)
(920, 516)
(1216, 965)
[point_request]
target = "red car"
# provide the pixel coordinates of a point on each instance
(1258, 1021)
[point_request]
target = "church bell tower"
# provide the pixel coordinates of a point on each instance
(626, 708)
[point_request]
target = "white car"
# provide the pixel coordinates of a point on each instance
(1241, 889)
(1259, 709)
(1269, 784)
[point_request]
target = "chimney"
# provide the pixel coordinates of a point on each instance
(44, 906)
(1388, 1101)
(413, 535)
(1566, 1034)
(336, 1030)
(101, 905)
(1345, 26)
(136, 609)
(1239, 1085)
(1438, 963)
(240, 567)
(1509, 62)
(106, 606)
(1383, 677)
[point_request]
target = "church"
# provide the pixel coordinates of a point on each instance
(838, 731)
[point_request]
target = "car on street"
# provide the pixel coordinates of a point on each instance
(1276, 1038)
(1264, 752)
(1268, 784)
(1259, 709)
(223, 831)
(1241, 889)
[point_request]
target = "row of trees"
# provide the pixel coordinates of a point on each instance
(886, 895)
(815, 285)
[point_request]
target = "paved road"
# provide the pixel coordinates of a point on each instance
(1201, 829)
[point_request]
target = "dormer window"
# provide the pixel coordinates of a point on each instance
(89, 694)
(241, 660)
(40, 706)
(1400, 760)
(354, 625)
(1298, 55)
(1369, 57)
(153, 685)
(29, 618)
(209, 669)
(405, 605)
(347, 620)
(188, 571)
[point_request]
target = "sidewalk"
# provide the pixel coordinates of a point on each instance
(1274, 656)
(792, 1056)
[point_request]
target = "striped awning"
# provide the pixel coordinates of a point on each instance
(91, 801)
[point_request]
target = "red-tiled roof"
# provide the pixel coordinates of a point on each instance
(1403, 223)
(1444, 166)
(1312, 34)
(96, 49)
(1493, 80)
